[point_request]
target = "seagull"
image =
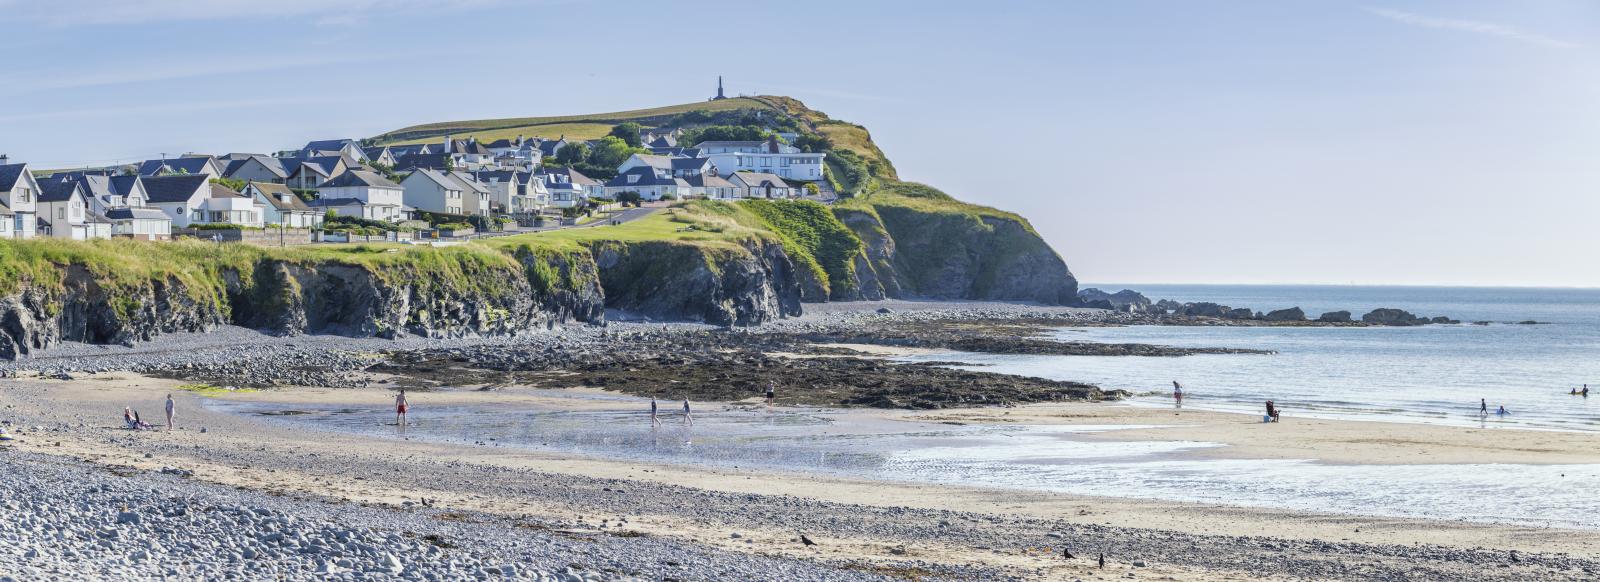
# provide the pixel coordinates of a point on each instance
(807, 541)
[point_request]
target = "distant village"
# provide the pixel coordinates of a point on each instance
(328, 189)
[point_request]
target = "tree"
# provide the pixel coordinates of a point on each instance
(812, 189)
(813, 143)
(724, 133)
(629, 198)
(612, 151)
(572, 154)
(628, 132)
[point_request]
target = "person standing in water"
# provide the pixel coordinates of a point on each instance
(400, 408)
(687, 419)
(171, 407)
(1177, 393)
(655, 421)
(1483, 407)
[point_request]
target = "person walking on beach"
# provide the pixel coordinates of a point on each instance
(1177, 393)
(1483, 407)
(772, 392)
(171, 407)
(687, 418)
(400, 408)
(655, 421)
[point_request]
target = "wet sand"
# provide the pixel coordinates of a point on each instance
(261, 455)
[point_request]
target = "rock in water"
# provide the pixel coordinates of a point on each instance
(1389, 316)
(1126, 300)
(1335, 317)
(1290, 314)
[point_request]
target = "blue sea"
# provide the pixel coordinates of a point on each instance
(1431, 374)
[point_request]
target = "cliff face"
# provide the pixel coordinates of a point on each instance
(936, 253)
(451, 295)
(745, 284)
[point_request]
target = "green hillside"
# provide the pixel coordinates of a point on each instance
(588, 126)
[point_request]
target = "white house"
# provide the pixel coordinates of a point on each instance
(282, 206)
(348, 149)
(568, 187)
(65, 209)
(668, 166)
(193, 199)
(761, 185)
(768, 157)
(714, 187)
(19, 194)
(649, 182)
(508, 192)
(381, 198)
(432, 191)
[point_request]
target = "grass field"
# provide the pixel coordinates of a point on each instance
(582, 126)
(572, 131)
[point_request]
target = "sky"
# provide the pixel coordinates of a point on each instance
(1220, 141)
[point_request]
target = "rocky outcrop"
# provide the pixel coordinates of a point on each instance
(1400, 317)
(1290, 314)
(952, 255)
(875, 274)
(723, 284)
(80, 307)
(1335, 317)
(1126, 300)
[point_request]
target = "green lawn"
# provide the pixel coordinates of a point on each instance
(572, 131)
(694, 222)
(581, 125)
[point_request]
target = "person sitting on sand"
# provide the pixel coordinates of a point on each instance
(127, 418)
(1272, 411)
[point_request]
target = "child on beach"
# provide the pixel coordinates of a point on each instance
(171, 407)
(772, 391)
(655, 421)
(687, 419)
(1177, 393)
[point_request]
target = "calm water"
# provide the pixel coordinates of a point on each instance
(1434, 374)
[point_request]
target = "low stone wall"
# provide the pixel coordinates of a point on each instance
(270, 237)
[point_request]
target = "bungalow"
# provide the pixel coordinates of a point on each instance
(770, 157)
(381, 198)
(432, 191)
(139, 223)
(188, 164)
(668, 167)
(713, 186)
(19, 195)
(282, 206)
(194, 199)
(257, 168)
(65, 206)
(650, 183)
(761, 185)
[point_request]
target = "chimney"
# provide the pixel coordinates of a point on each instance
(447, 143)
(4, 159)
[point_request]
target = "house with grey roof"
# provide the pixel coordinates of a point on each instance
(281, 206)
(475, 197)
(380, 155)
(430, 190)
(19, 194)
(569, 187)
(380, 197)
(648, 182)
(712, 186)
(762, 185)
(257, 168)
(188, 164)
(349, 149)
(508, 191)
(195, 199)
(139, 223)
(65, 213)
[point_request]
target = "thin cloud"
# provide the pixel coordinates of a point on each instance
(80, 12)
(175, 108)
(1473, 26)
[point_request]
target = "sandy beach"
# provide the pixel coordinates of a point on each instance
(857, 524)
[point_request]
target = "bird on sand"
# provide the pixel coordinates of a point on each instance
(807, 541)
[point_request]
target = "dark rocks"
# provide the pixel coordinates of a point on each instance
(1390, 316)
(1290, 314)
(743, 286)
(1335, 317)
(1239, 313)
(1126, 300)
(1202, 309)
